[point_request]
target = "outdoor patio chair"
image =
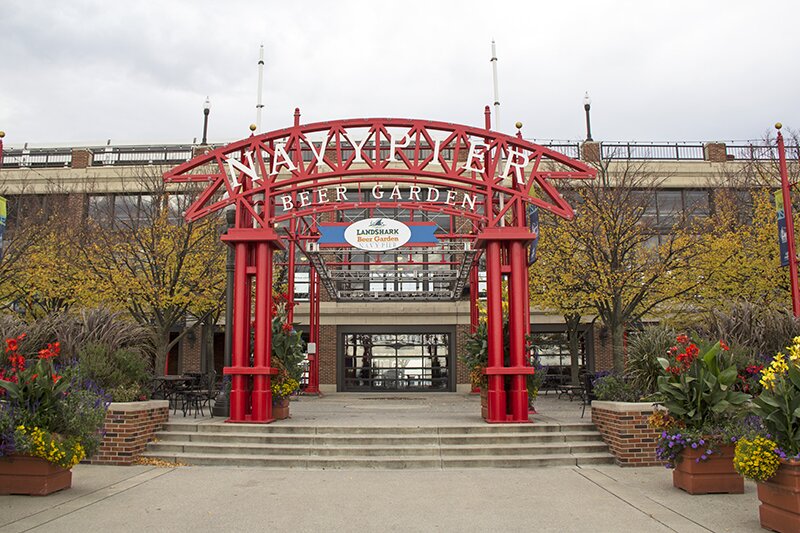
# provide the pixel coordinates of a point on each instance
(199, 394)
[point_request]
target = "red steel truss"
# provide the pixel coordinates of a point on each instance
(283, 183)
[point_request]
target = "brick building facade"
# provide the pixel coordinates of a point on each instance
(79, 174)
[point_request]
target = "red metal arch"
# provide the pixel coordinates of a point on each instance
(329, 154)
(254, 173)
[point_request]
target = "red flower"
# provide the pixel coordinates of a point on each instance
(724, 345)
(754, 369)
(674, 370)
(51, 351)
(287, 327)
(17, 362)
(683, 339)
(56, 377)
(12, 345)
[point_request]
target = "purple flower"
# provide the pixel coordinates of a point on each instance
(694, 445)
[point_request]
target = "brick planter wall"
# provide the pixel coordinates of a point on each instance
(625, 430)
(128, 429)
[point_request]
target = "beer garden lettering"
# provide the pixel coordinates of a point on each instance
(282, 161)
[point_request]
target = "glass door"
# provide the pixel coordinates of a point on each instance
(399, 362)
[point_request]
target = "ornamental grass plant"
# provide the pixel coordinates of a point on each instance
(47, 409)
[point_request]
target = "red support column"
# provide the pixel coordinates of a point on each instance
(313, 331)
(241, 334)
(254, 405)
(517, 293)
(262, 393)
(290, 268)
(494, 311)
(506, 243)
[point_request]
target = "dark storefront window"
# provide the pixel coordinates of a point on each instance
(397, 361)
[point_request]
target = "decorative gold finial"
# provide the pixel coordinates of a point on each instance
(778, 125)
(2, 134)
(518, 125)
(253, 127)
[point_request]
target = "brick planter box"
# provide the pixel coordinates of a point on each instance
(127, 430)
(625, 430)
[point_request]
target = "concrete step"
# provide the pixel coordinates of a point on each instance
(528, 461)
(375, 439)
(371, 451)
(279, 428)
(403, 462)
(384, 447)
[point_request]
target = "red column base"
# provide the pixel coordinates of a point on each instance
(516, 399)
(248, 420)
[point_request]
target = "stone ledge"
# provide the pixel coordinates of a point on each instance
(624, 407)
(138, 406)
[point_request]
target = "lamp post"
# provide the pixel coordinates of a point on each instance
(206, 111)
(221, 402)
(2, 134)
(587, 105)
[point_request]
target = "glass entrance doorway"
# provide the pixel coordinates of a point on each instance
(399, 362)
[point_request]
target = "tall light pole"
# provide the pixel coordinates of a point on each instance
(221, 402)
(787, 214)
(2, 134)
(587, 105)
(206, 111)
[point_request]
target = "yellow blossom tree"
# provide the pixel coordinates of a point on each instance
(158, 267)
(606, 259)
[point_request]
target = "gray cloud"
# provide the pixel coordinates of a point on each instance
(85, 71)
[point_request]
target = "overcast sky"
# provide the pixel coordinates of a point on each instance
(81, 72)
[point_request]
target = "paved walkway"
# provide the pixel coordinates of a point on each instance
(564, 499)
(409, 409)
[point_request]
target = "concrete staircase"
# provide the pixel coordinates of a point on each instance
(339, 447)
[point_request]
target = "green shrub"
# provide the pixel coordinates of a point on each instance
(613, 388)
(123, 373)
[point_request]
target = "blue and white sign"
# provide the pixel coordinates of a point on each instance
(533, 219)
(782, 235)
(377, 234)
(381, 231)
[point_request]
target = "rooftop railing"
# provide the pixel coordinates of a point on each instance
(174, 154)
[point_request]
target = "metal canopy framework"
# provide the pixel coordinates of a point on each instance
(286, 185)
(419, 282)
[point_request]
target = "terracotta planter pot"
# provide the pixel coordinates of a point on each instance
(22, 474)
(280, 409)
(484, 403)
(715, 475)
(780, 499)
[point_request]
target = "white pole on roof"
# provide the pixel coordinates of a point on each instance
(493, 61)
(259, 105)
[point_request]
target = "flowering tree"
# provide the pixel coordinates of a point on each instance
(157, 266)
(605, 261)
